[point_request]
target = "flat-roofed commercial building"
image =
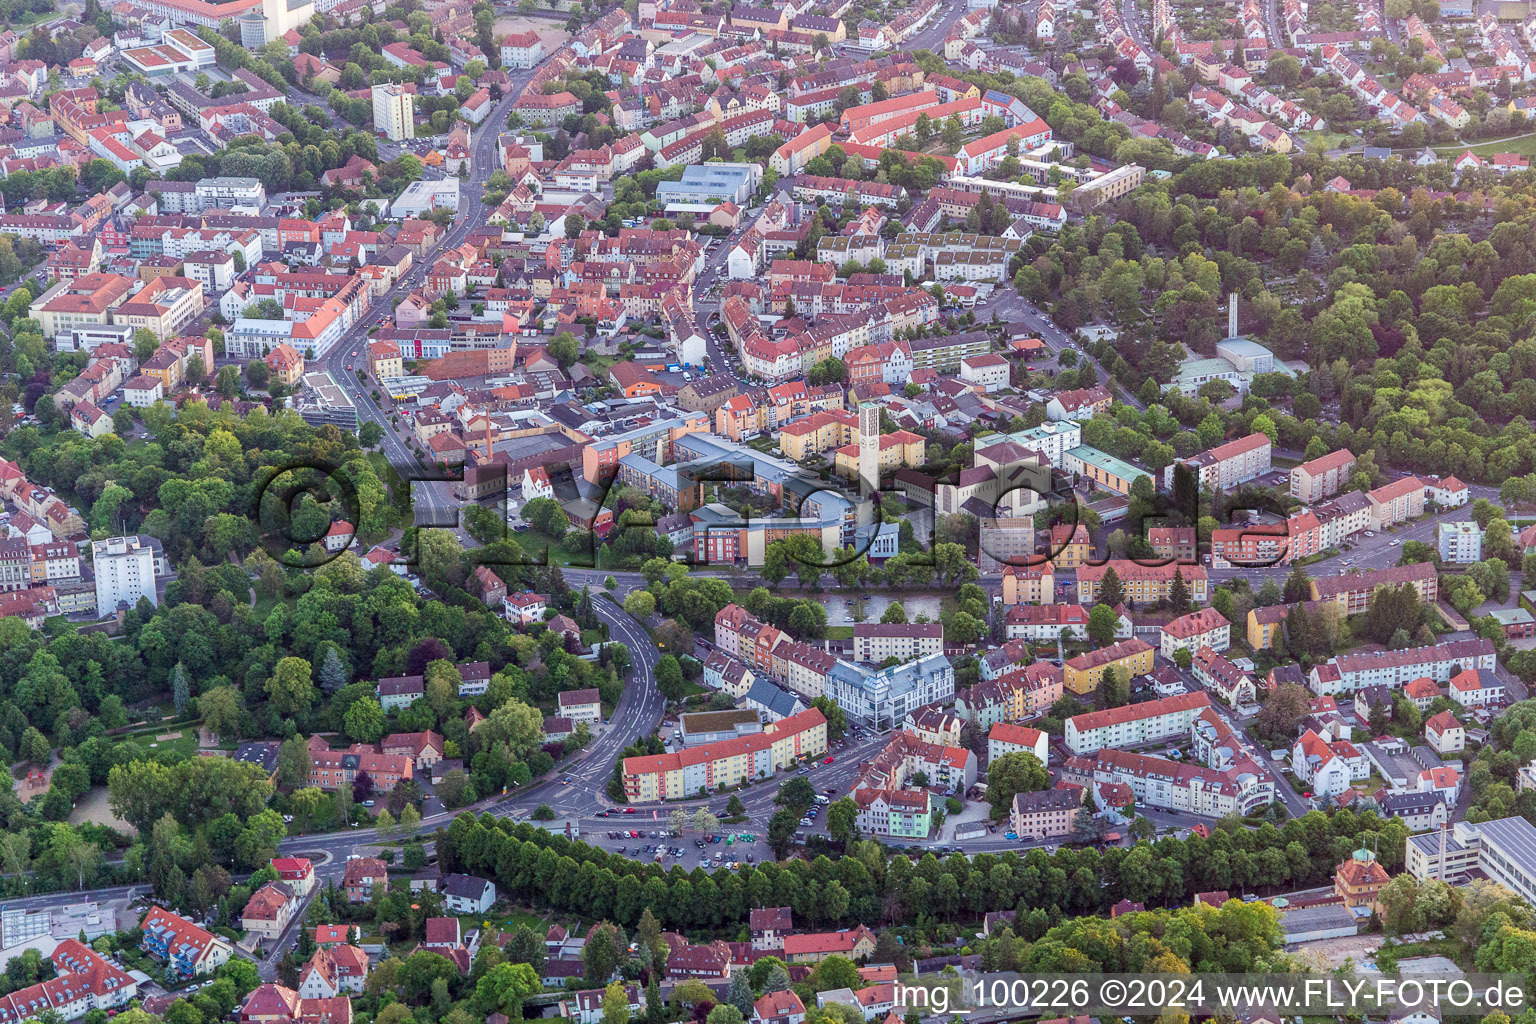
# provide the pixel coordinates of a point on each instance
(1503, 849)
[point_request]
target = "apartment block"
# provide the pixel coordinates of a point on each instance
(1323, 477)
(1135, 725)
(907, 641)
(1084, 673)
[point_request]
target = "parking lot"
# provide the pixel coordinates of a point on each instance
(710, 850)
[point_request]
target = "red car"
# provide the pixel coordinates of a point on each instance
(829, 760)
(629, 810)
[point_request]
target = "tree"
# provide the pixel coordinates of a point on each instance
(1283, 708)
(220, 708)
(669, 678)
(1102, 625)
(290, 688)
(503, 988)
(797, 794)
(35, 747)
(1178, 592)
(739, 994)
(180, 688)
(841, 817)
(1110, 590)
(1298, 586)
(306, 803)
(547, 517)
(1011, 774)
(615, 1004)
(365, 720)
(837, 720)
(1114, 689)
(640, 604)
(894, 613)
(830, 370)
(227, 383)
(781, 832)
(333, 672)
(562, 348)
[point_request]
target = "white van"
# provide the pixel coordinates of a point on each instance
(821, 799)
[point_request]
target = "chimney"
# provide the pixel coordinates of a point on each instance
(1232, 315)
(1442, 850)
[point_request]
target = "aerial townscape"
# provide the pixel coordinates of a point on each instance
(697, 512)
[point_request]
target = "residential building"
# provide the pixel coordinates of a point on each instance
(684, 773)
(126, 569)
(1328, 766)
(297, 872)
(1174, 785)
(1134, 725)
(269, 911)
(880, 698)
(1143, 584)
(1347, 673)
(582, 706)
(1320, 478)
(1227, 465)
(769, 926)
(187, 950)
(331, 770)
(1359, 880)
(1460, 543)
(1007, 738)
(1045, 814)
(855, 944)
(425, 749)
(1130, 658)
(907, 641)
(1222, 677)
(1204, 628)
(467, 894)
(1476, 688)
(84, 981)
(398, 692)
(1354, 591)
(1045, 622)
(1396, 502)
(361, 876)
(905, 813)
(334, 970)
(394, 111)
(1445, 734)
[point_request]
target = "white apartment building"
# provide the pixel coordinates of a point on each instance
(394, 112)
(1460, 543)
(1349, 673)
(1135, 725)
(876, 641)
(126, 568)
(1228, 465)
(1204, 628)
(226, 193)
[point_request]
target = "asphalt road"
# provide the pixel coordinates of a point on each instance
(433, 499)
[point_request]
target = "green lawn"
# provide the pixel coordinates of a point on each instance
(185, 744)
(839, 632)
(1322, 141)
(1525, 146)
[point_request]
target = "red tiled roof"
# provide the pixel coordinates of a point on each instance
(1134, 712)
